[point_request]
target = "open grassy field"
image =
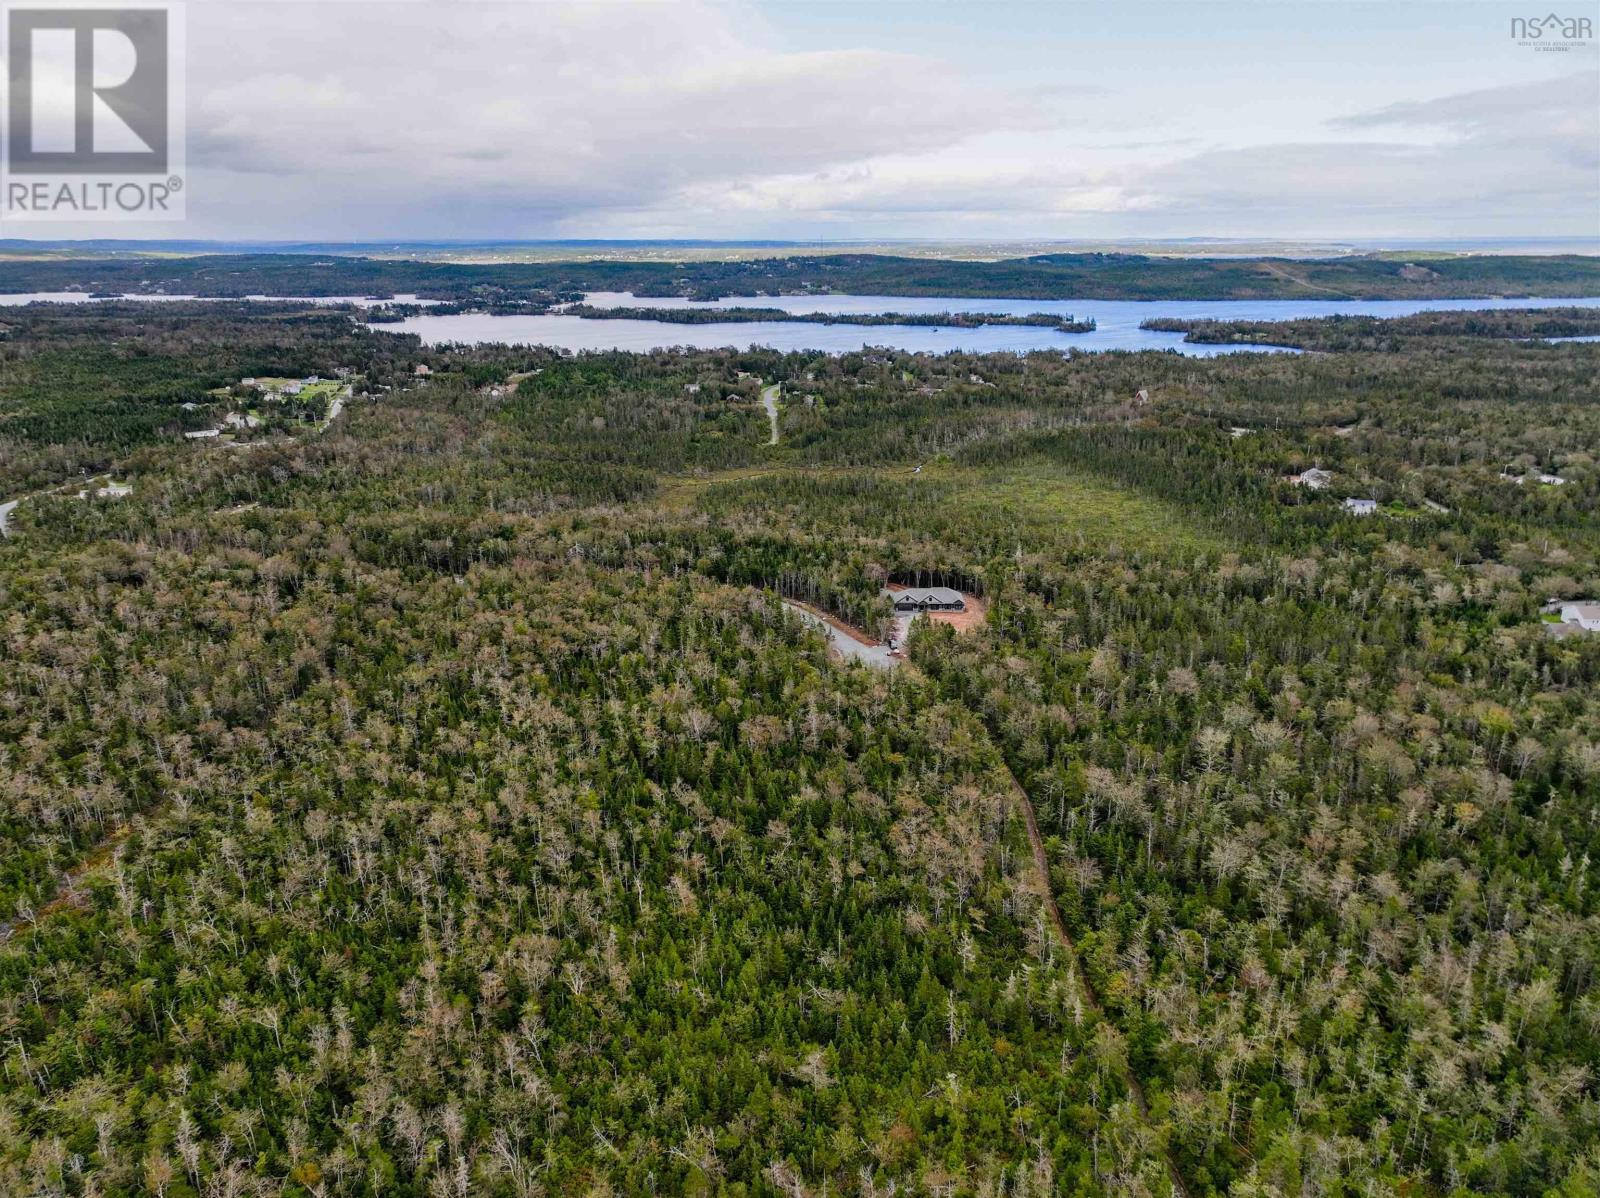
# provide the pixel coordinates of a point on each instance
(1036, 502)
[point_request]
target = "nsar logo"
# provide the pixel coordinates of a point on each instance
(1552, 32)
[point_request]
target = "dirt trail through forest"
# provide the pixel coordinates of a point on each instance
(1041, 863)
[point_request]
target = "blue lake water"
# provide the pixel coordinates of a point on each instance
(1117, 323)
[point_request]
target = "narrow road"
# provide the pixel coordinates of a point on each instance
(334, 409)
(857, 648)
(846, 642)
(1042, 863)
(1280, 272)
(769, 400)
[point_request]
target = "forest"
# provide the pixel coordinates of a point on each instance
(446, 802)
(1373, 332)
(1046, 276)
(949, 320)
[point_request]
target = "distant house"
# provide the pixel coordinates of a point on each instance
(240, 420)
(1236, 432)
(1585, 615)
(1314, 478)
(293, 388)
(200, 433)
(1141, 397)
(1549, 480)
(247, 382)
(692, 388)
(114, 490)
(189, 406)
(1361, 507)
(915, 599)
(423, 370)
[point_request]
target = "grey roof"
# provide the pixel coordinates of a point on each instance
(927, 595)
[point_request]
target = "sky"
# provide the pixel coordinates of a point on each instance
(811, 120)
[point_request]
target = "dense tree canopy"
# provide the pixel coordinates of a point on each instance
(445, 804)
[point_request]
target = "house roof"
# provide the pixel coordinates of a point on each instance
(926, 595)
(1584, 611)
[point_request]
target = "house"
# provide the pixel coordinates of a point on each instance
(293, 388)
(1314, 478)
(1361, 507)
(114, 490)
(915, 599)
(1141, 397)
(240, 420)
(200, 433)
(1236, 432)
(247, 382)
(1585, 615)
(1549, 480)
(423, 370)
(189, 406)
(692, 388)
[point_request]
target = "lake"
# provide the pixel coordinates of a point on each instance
(1117, 323)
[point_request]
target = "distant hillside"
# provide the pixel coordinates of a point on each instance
(1049, 276)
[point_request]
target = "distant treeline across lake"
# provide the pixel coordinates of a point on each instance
(951, 320)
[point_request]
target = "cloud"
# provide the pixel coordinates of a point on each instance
(1565, 102)
(550, 108)
(1518, 156)
(471, 119)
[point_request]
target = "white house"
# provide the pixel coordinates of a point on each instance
(1315, 478)
(1361, 507)
(1585, 615)
(201, 433)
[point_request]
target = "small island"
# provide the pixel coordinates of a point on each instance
(943, 320)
